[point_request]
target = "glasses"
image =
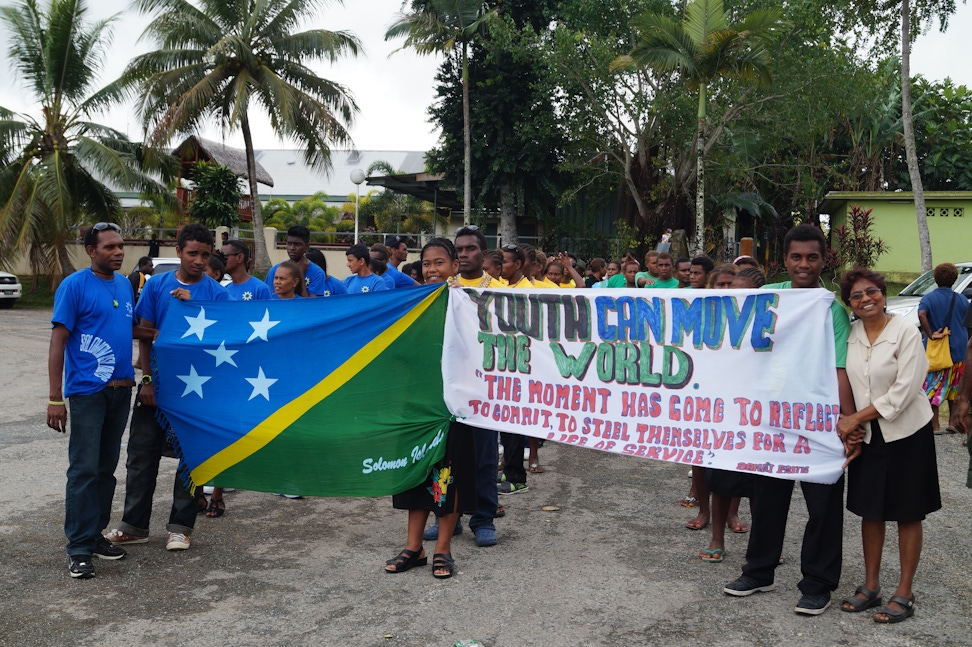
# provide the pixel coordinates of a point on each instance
(467, 228)
(101, 226)
(870, 292)
(510, 247)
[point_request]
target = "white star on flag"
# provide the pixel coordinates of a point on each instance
(193, 381)
(222, 355)
(260, 328)
(198, 324)
(261, 385)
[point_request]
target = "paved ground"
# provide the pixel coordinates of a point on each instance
(615, 566)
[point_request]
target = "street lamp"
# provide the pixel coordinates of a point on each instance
(357, 176)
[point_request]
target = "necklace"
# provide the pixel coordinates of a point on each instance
(114, 289)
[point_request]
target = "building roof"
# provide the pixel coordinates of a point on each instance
(834, 200)
(422, 185)
(194, 148)
(294, 179)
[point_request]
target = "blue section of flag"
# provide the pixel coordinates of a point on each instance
(254, 357)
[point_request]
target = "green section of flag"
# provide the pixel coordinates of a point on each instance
(379, 433)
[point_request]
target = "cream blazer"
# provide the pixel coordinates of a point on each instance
(890, 375)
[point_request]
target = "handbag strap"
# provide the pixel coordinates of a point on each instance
(951, 307)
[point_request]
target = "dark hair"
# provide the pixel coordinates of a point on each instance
(381, 250)
(378, 266)
(467, 231)
(804, 233)
(628, 262)
(445, 244)
(860, 274)
(705, 262)
(359, 251)
(748, 261)
(597, 264)
(294, 270)
(529, 252)
(945, 275)
(662, 255)
(563, 269)
(299, 231)
(753, 275)
(217, 264)
(394, 242)
(652, 254)
(495, 255)
(719, 271)
(613, 261)
(682, 259)
(195, 232)
(516, 250)
(316, 257)
(145, 259)
(240, 248)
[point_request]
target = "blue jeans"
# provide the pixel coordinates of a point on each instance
(487, 456)
(146, 442)
(97, 424)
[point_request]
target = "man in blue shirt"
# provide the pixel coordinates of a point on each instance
(298, 242)
(91, 348)
(397, 251)
(147, 442)
(244, 287)
(362, 279)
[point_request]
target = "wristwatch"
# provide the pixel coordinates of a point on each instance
(146, 379)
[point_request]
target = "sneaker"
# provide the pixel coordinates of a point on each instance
(120, 538)
(432, 532)
(813, 604)
(177, 541)
(289, 496)
(746, 585)
(81, 566)
(506, 487)
(485, 537)
(104, 549)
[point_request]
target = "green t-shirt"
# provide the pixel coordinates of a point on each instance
(840, 321)
(645, 275)
(664, 285)
(617, 281)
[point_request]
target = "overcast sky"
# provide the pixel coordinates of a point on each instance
(394, 92)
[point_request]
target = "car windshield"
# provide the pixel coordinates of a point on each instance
(926, 283)
(162, 268)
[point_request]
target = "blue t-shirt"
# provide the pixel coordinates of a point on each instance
(333, 286)
(400, 279)
(935, 304)
(277, 297)
(99, 348)
(389, 281)
(154, 302)
(252, 289)
(313, 279)
(363, 284)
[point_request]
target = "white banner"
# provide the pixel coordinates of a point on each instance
(740, 380)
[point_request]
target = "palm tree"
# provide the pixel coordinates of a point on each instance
(435, 26)
(704, 49)
(907, 119)
(215, 61)
(54, 166)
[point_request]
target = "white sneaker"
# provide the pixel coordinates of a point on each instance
(177, 541)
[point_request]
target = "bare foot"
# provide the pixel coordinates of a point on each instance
(698, 523)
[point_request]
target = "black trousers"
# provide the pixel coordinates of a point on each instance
(513, 445)
(820, 559)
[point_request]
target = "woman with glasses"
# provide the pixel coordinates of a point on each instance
(895, 475)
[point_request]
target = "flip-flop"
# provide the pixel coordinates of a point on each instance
(536, 468)
(951, 430)
(689, 502)
(739, 528)
(694, 525)
(713, 555)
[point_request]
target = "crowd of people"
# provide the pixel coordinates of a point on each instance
(888, 401)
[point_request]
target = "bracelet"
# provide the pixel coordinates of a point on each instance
(55, 404)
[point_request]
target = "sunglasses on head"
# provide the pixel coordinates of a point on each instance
(509, 248)
(467, 228)
(101, 226)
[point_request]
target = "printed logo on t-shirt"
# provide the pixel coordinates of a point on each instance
(102, 352)
(327, 293)
(307, 281)
(247, 296)
(365, 288)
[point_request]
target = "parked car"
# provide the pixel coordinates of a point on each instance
(10, 289)
(906, 303)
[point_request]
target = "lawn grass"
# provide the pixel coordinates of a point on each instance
(40, 298)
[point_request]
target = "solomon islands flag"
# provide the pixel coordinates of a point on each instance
(325, 397)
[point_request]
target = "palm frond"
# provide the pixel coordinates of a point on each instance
(703, 17)
(318, 44)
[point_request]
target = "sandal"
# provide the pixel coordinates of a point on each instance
(689, 502)
(714, 555)
(500, 511)
(737, 527)
(405, 560)
(536, 468)
(201, 503)
(695, 524)
(443, 562)
(858, 604)
(893, 614)
(216, 508)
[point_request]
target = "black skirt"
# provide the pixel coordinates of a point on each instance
(896, 481)
(460, 459)
(729, 483)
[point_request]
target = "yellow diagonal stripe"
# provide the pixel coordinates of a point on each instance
(263, 433)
